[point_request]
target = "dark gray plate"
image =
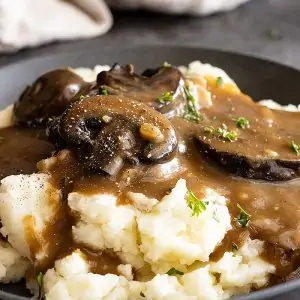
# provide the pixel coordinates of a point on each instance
(259, 78)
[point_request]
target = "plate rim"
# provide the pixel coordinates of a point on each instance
(247, 55)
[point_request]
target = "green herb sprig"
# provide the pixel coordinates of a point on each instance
(191, 112)
(195, 204)
(223, 132)
(165, 97)
(295, 147)
(166, 64)
(274, 34)
(242, 122)
(40, 282)
(103, 91)
(209, 129)
(174, 272)
(220, 82)
(243, 218)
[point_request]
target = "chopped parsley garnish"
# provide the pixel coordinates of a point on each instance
(166, 64)
(195, 204)
(40, 282)
(242, 122)
(230, 136)
(209, 129)
(234, 247)
(165, 97)
(274, 34)
(81, 97)
(243, 218)
(103, 92)
(174, 272)
(191, 112)
(215, 216)
(219, 82)
(142, 294)
(295, 147)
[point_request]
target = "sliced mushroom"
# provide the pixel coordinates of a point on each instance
(106, 130)
(259, 150)
(160, 88)
(48, 96)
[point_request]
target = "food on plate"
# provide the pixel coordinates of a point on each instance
(169, 184)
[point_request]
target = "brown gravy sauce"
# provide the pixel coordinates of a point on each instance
(274, 207)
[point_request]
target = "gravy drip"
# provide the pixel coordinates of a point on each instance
(20, 150)
(274, 207)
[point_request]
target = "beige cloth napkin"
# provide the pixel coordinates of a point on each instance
(192, 7)
(27, 23)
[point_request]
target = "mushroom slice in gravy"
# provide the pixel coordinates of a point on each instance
(249, 140)
(107, 130)
(160, 88)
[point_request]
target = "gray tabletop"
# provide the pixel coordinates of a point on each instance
(267, 28)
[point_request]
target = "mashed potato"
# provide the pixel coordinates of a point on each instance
(184, 240)
(71, 279)
(146, 234)
(134, 236)
(27, 203)
(101, 216)
(12, 265)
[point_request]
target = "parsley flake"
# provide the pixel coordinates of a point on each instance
(243, 218)
(81, 97)
(219, 82)
(103, 91)
(242, 122)
(165, 97)
(142, 294)
(191, 112)
(40, 282)
(209, 129)
(295, 147)
(215, 216)
(274, 34)
(174, 272)
(230, 136)
(195, 204)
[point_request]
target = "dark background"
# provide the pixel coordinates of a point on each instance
(267, 28)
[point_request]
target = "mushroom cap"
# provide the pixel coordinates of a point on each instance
(48, 96)
(148, 88)
(105, 132)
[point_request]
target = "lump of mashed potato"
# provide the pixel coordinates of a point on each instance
(172, 237)
(71, 279)
(105, 225)
(184, 239)
(241, 271)
(27, 204)
(12, 265)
